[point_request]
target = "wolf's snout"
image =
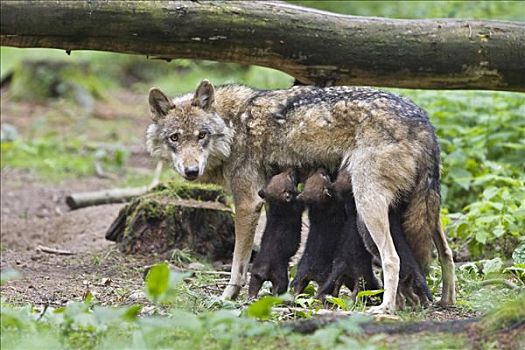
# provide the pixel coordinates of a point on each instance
(191, 173)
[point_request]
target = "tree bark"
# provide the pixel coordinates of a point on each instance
(315, 47)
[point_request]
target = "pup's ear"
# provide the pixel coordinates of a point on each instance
(204, 96)
(159, 104)
(294, 176)
(262, 194)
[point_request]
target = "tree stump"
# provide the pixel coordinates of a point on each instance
(176, 216)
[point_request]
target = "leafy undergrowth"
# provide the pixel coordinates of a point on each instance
(187, 314)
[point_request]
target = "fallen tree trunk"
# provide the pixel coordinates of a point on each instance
(313, 46)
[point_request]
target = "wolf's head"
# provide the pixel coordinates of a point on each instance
(187, 131)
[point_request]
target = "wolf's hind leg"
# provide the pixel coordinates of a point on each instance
(372, 206)
(246, 217)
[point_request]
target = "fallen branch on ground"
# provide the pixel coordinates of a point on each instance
(49, 250)
(115, 195)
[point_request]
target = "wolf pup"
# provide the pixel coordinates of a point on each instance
(327, 217)
(352, 261)
(281, 236)
(236, 136)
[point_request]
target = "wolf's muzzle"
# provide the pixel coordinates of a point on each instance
(191, 173)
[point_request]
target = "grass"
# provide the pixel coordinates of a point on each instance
(187, 315)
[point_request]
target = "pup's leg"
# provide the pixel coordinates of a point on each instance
(448, 294)
(247, 210)
(332, 285)
(279, 279)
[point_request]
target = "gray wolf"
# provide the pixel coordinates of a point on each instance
(327, 218)
(281, 236)
(239, 138)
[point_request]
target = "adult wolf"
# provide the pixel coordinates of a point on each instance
(239, 137)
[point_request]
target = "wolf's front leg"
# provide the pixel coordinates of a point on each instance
(247, 210)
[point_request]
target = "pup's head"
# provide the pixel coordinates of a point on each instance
(187, 131)
(317, 188)
(342, 186)
(281, 188)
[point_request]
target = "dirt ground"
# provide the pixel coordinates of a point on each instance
(33, 215)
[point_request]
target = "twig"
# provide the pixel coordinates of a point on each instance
(49, 250)
(502, 281)
(221, 273)
(115, 195)
(46, 306)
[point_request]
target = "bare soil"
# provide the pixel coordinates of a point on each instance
(34, 214)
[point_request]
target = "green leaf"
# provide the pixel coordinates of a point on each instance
(498, 231)
(132, 312)
(481, 236)
(369, 293)
(88, 297)
(336, 301)
(518, 256)
(492, 266)
(490, 192)
(262, 308)
(157, 281)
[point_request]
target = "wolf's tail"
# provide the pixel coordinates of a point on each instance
(421, 217)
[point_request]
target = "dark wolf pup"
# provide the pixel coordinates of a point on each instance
(236, 137)
(327, 217)
(281, 236)
(352, 260)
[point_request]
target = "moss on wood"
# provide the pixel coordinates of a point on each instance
(176, 216)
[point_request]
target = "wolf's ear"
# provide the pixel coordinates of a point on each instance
(159, 104)
(204, 96)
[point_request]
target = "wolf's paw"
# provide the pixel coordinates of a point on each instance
(446, 302)
(382, 309)
(231, 292)
(448, 297)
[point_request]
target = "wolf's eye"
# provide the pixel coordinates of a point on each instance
(202, 135)
(174, 137)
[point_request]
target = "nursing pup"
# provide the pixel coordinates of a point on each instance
(281, 236)
(326, 216)
(352, 262)
(412, 284)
